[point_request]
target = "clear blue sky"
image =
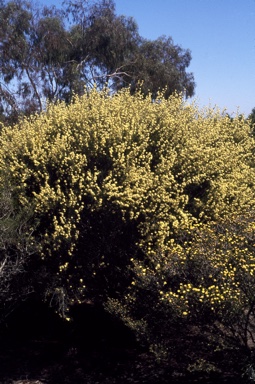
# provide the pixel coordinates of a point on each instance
(220, 35)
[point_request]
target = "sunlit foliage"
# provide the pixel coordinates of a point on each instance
(144, 206)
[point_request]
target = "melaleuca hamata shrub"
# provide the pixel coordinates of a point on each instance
(114, 182)
(206, 278)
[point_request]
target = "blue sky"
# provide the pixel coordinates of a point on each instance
(221, 37)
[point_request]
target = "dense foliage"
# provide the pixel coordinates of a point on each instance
(144, 207)
(48, 54)
(252, 120)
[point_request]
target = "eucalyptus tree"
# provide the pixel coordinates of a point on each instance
(48, 54)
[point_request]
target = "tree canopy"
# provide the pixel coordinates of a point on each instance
(48, 54)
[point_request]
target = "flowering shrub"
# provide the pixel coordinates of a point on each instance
(144, 206)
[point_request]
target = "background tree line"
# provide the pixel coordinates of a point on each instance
(48, 54)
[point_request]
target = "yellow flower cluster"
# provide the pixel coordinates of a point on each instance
(215, 269)
(164, 165)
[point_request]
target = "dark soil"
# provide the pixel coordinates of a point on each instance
(36, 345)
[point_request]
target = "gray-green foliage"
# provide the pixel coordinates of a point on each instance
(49, 54)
